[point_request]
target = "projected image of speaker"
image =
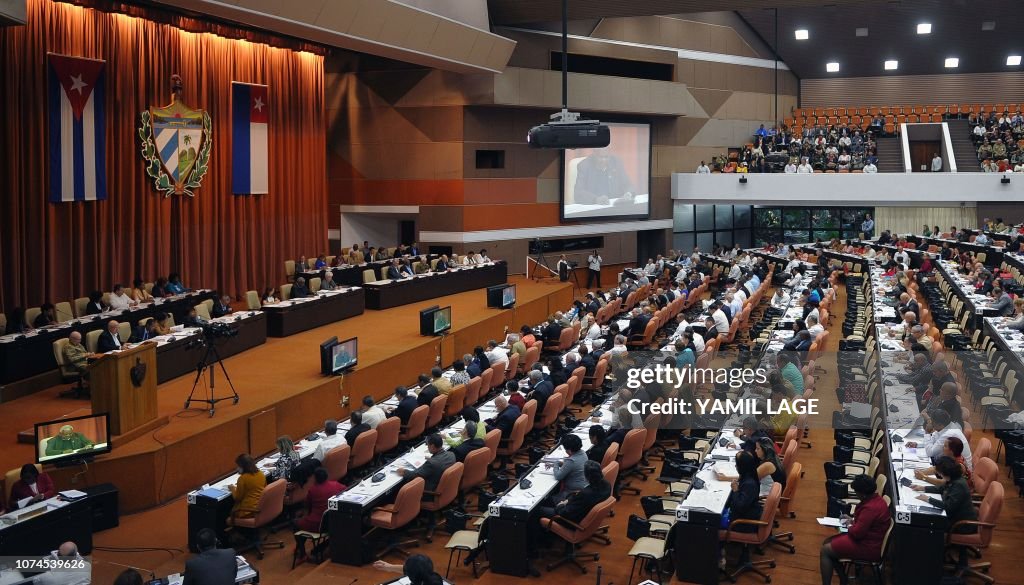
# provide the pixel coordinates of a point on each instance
(502, 296)
(69, 441)
(435, 320)
(611, 182)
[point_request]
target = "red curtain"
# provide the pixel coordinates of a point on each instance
(59, 251)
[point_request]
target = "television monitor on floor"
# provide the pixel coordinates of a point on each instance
(69, 440)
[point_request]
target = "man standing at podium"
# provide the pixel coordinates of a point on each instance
(67, 441)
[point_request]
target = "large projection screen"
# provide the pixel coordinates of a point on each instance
(612, 182)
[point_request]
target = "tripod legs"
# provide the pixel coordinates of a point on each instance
(210, 361)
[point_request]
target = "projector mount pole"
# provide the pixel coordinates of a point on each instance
(565, 115)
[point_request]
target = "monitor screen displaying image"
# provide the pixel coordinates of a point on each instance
(612, 182)
(72, 438)
(345, 355)
(508, 296)
(442, 320)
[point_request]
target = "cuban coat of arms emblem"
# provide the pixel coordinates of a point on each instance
(176, 143)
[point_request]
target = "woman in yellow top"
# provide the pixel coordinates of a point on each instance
(248, 489)
(139, 293)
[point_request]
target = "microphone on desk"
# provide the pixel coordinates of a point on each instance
(152, 575)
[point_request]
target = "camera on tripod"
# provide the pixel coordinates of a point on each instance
(218, 331)
(572, 264)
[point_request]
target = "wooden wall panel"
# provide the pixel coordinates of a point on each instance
(262, 432)
(913, 89)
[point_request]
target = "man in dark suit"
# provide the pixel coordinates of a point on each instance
(395, 270)
(406, 404)
(907, 303)
(222, 306)
(470, 442)
(801, 342)
(433, 468)
(428, 392)
(299, 289)
(358, 428)
(592, 305)
(637, 323)
(507, 415)
(109, 340)
(553, 331)
(588, 359)
(213, 566)
(145, 332)
(540, 389)
(576, 506)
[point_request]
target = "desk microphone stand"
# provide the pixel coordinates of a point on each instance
(209, 362)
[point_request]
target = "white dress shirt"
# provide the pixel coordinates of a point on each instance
(933, 443)
(721, 321)
(121, 301)
(373, 416)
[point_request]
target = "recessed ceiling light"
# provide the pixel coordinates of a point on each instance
(801, 34)
(1013, 60)
(988, 25)
(952, 62)
(891, 65)
(924, 28)
(862, 32)
(832, 67)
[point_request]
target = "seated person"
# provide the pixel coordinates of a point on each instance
(418, 568)
(110, 339)
(428, 392)
(163, 324)
(299, 289)
(598, 443)
(406, 404)
(358, 428)
(468, 441)
(332, 440)
(213, 566)
(395, 271)
(174, 284)
(160, 288)
(47, 316)
(33, 485)
(954, 449)
(145, 332)
(507, 416)
(322, 490)
(433, 468)
(222, 307)
(270, 296)
(119, 299)
(575, 506)
(744, 502)
(67, 440)
(139, 293)
(373, 415)
(864, 537)
(193, 319)
(75, 355)
(76, 574)
(248, 490)
(569, 471)
(95, 306)
(327, 283)
(287, 458)
(321, 262)
(955, 495)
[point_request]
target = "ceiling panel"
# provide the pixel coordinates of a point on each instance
(892, 34)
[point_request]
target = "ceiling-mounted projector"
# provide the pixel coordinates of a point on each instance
(566, 130)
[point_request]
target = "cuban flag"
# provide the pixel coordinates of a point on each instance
(250, 115)
(77, 128)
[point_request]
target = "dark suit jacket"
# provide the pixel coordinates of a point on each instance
(541, 392)
(637, 325)
(220, 310)
(427, 395)
(93, 309)
(552, 332)
(467, 447)
(404, 409)
(432, 469)
(212, 567)
(589, 362)
(505, 420)
(299, 292)
(394, 272)
(582, 502)
(106, 343)
(354, 432)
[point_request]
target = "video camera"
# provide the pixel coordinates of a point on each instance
(218, 330)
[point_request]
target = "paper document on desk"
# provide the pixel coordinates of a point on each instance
(709, 500)
(833, 522)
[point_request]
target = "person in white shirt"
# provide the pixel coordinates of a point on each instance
(781, 298)
(481, 257)
(620, 345)
(594, 269)
(332, 440)
(982, 239)
(942, 429)
(979, 132)
(901, 257)
(735, 272)
(790, 167)
(695, 257)
(805, 167)
(698, 341)
(813, 327)
(936, 163)
(735, 305)
(793, 263)
(593, 331)
(682, 325)
(703, 169)
(744, 260)
(721, 321)
(373, 415)
(469, 258)
(496, 354)
(120, 299)
(870, 168)
(870, 253)
(650, 267)
(741, 294)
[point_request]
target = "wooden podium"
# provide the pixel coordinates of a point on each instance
(130, 402)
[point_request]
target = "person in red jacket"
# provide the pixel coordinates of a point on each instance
(33, 484)
(322, 490)
(863, 540)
